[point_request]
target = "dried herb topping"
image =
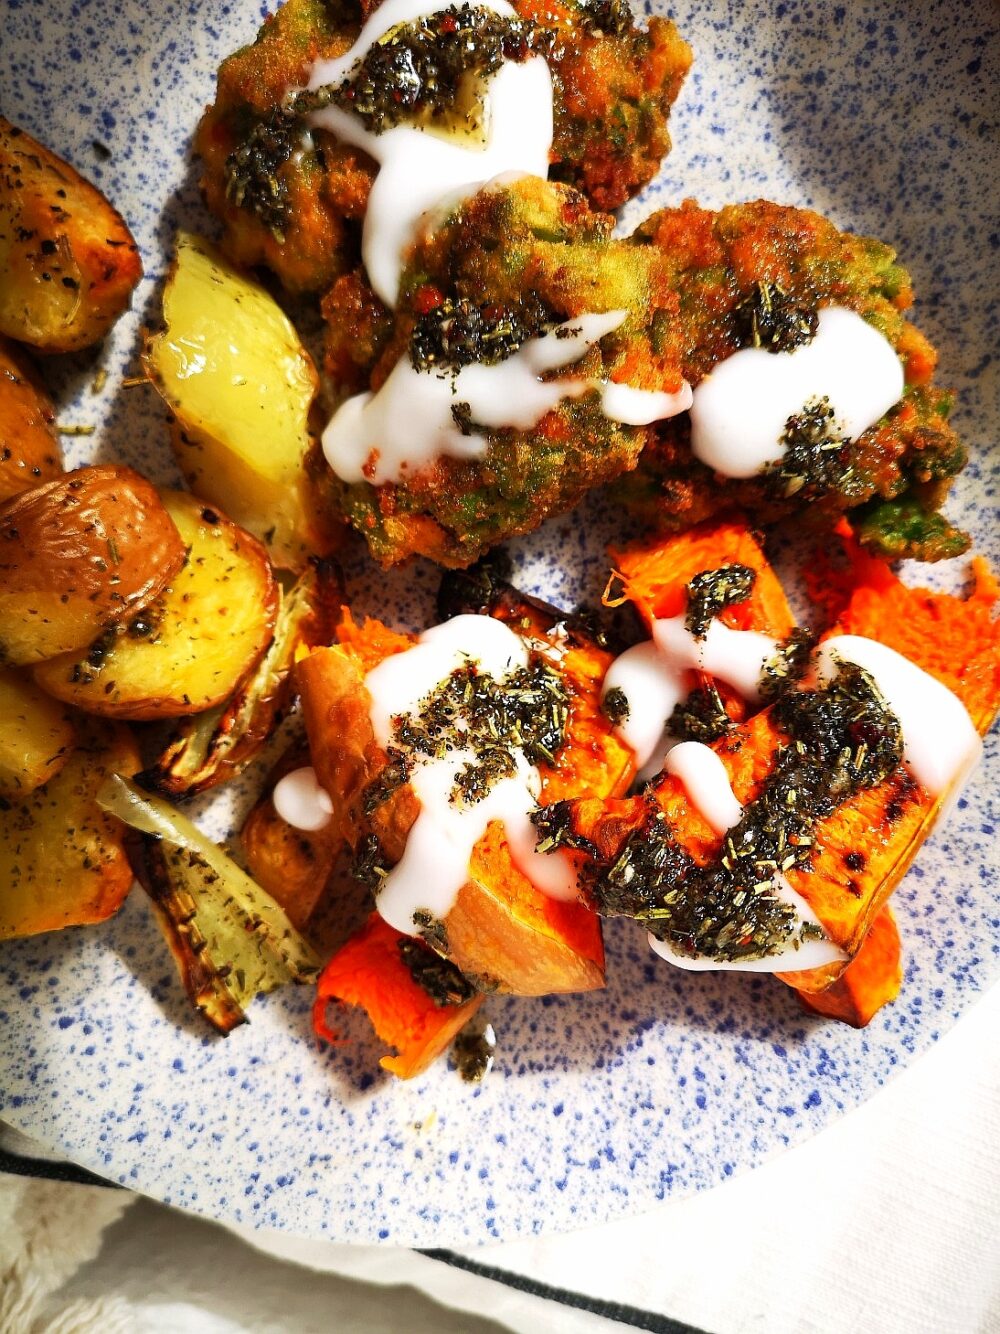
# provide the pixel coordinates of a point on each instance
(615, 705)
(771, 319)
(701, 717)
(443, 982)
(253, 176)
(433, 71)
(471, 710)
(455, 333)
(473, 1051)
(815, 459)
(712, 591)
(842, 739)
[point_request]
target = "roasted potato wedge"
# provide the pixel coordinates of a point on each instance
(77, 555)
(68, 260)
(29, 446)
(293, 865)
(190, 649)
(232, 369)
(62, 859)
(36, 735)
(230, 940)
(217, 745)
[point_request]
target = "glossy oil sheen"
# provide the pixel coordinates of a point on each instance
(881, 115)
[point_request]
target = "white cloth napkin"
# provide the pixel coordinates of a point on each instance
(888, 1221)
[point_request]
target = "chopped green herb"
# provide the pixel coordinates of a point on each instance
(816, 457)
(442, 981)
(842, 739)
(459, 333)
(700, 717)
(473, 1051)
(615, 705)
(253, 175)
(432, 930)
(432, 71)
(788, 664)
(771, 319)
(712, 591)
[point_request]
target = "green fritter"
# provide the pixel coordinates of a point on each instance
(293, 198)
(508, 265)
(755, 275)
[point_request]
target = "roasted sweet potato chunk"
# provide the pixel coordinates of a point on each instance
(77, 555)
(189, 650)
(68, 260)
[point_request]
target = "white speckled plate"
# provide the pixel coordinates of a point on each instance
(883, 116)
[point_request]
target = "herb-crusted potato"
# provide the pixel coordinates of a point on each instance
(190, 649)
(36, 737)
(232, 369)
(68, 260)
(29, 446)
(78, 554)
(62, 859)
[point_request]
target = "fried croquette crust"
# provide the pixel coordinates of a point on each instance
(897, 473)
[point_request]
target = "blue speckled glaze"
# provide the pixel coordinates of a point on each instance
(884, 116)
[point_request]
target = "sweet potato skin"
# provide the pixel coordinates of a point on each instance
(29, 446)
(70, 263)
(209, 629)
(293, 865)
(78, 554)
(872, 978)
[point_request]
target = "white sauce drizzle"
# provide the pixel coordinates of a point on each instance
(301, 802)
(940, 741)
(740, 408)
(408, 423)
(707, 785)
(435, 861)
(417, 168)
(652, 676)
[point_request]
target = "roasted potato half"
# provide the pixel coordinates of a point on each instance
(36, 735)
(232, 369)
(86, 551)
(212, 747)
(188, 650)
(62, 859)
(68, 260)
(29, 446)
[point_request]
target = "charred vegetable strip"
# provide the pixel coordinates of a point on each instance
(230, 940)
(371, 972)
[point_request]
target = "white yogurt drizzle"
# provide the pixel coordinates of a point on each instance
(408, 423)
(435, 861)
(416, 168)
(301, 802)
(740, 409)
(653, 678)
(707, 785)
(940, 741)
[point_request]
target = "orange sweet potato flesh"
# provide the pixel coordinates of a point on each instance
(654, 577)
(501, 928)
(368, 971)
(872, 978)
(954, 639)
